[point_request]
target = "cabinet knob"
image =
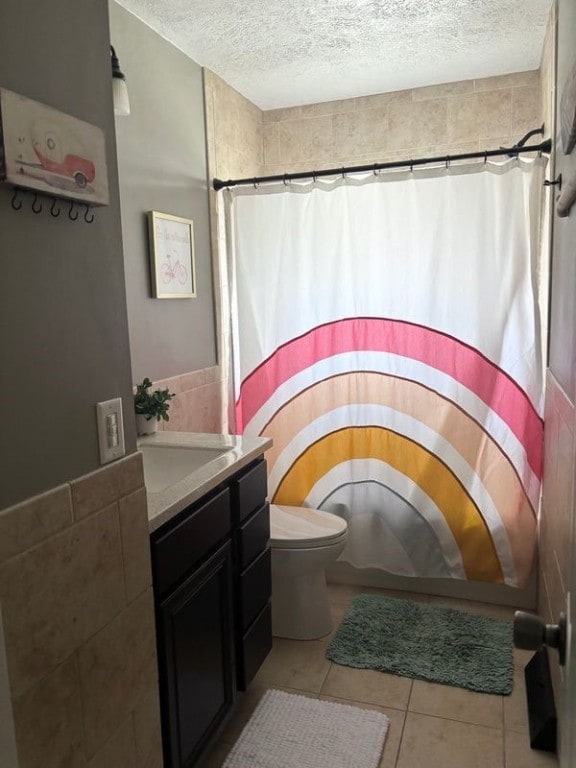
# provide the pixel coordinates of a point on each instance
(531, 632)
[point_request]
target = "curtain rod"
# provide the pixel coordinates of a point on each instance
(545, 147)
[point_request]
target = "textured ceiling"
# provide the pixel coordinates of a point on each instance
(281, 53)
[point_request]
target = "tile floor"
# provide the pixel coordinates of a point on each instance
(431, 725)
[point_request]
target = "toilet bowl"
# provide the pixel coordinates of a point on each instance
(303, 543)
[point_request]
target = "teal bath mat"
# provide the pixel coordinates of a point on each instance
(440, 645)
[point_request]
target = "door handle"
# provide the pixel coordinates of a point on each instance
(531, 632)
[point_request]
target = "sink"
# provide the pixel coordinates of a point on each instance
(165, 465)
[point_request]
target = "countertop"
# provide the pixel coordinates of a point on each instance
(165, 504)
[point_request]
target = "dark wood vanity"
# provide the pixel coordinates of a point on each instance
(212, 588)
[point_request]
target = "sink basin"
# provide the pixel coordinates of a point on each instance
(165, 465)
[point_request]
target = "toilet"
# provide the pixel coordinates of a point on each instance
(303, 543)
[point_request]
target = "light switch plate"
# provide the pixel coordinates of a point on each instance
(110, 430)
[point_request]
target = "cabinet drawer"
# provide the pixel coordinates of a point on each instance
(179, 549)
(255, 589)
(250, 490)
(255, 645)
(254, 536)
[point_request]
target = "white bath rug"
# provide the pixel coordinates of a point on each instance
(290, 731)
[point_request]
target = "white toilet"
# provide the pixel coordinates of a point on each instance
(304, 542)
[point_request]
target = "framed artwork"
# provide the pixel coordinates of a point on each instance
(51, 152)
(171, 256)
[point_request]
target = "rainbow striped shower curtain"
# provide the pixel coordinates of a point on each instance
(386, 335)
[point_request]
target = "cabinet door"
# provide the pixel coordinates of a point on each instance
(195, 649)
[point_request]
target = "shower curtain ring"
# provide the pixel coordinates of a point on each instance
(447, 161)
(411, 166)
(375, 170)
(314, 177)
(343, 172)
(285, 179)
(485, 156)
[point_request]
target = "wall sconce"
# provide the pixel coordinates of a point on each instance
(119, 89)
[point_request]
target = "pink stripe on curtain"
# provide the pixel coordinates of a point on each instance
(438, 350)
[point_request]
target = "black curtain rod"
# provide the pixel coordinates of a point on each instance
(545, 147)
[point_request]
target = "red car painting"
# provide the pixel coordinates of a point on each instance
(78, 168)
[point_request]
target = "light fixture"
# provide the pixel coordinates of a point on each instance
(119, 90)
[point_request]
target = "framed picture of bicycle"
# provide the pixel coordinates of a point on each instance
(171, 256)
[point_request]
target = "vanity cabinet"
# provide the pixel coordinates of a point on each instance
(212, 587)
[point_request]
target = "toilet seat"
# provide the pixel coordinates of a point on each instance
(302, 528)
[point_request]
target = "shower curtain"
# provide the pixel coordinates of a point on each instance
(385, 334)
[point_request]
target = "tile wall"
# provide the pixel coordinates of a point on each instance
(77, 610)
(438, 120)
(197, 406)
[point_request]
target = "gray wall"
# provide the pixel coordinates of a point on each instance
(63, 324)
(563, 306)
(162, 167)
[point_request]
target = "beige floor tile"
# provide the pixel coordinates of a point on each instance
(520, 755)
(436, 743)
(516, 707)
(341, 595)
(368, 686)
(394, 734)
(300, 664)
(456, 704)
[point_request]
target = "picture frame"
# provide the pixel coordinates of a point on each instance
(172, 262)
(48, 151)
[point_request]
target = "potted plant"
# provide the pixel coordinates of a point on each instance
(150, 407)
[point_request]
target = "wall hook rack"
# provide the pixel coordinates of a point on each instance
(53, 205)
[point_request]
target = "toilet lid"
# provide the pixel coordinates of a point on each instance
(300, 527)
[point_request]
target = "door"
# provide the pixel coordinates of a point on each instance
(568, 726)
(196, 680)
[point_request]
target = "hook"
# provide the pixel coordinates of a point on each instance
(285, 180)
(411, 166)
(72, 218)
(87, 219)
(485, 156)
(375, 170)
(53, 211)
(343, 172)
(447, 161)
(314, 177)
(15, 200)
(556, 183)
(34, 208)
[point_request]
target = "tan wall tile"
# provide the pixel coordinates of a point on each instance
(507, 81)
(119, 751)
(117, 669)
(135, 544)
(358, 133)
(379, 100)
(48, 721)
(271, 145)
(147, 731)
(328, 108)
(57, 595)
(34, 520)
(526, 110)
(305, 140)
(444, 90)
(278, 115)
(98, 489)
(419, 124)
